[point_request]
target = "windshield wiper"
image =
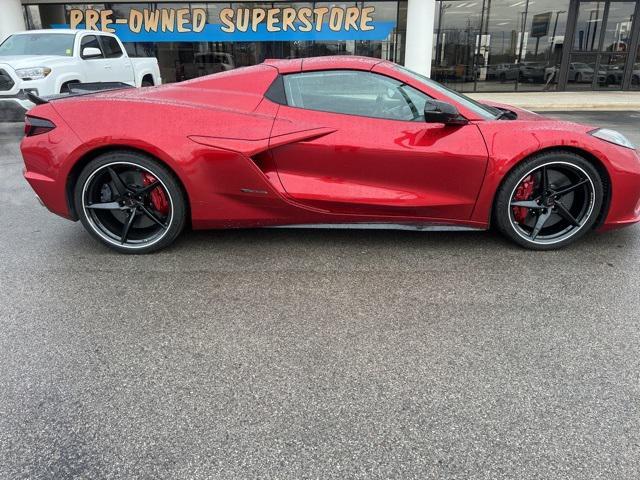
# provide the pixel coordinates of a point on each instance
(506, 114)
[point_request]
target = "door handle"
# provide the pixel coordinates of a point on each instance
(107, 67)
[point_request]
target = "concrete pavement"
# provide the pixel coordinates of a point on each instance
(565, 101)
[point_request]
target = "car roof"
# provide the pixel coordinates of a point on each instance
(332, 62)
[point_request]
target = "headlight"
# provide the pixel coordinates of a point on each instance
(35, 73)
(612, 136)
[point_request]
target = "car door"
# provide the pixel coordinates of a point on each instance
(118, 66)
(381, 157)
(95, 68)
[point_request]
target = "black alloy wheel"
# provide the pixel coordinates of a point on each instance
(130, 202)
(549, 201)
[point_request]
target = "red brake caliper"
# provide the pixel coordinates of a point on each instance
(523, 192)
(158, 197)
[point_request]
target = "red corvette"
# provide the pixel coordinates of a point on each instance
(324, 142)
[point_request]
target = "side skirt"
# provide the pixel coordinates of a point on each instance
(384, 226)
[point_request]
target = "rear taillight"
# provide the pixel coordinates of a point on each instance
(36, 126)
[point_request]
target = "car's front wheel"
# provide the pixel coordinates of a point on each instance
(130, 202)
(549, 200)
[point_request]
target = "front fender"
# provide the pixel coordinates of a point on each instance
(509, 146)
(68, 77)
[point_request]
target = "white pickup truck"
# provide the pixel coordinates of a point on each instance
(46, 62)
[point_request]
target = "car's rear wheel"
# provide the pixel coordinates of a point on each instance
(549, 200)
(130, 202)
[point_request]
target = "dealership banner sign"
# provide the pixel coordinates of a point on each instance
(236, 24)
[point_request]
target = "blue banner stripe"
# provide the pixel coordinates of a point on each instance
(214, 33)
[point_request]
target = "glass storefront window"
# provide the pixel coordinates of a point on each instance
(499, 45)
(612, 70)
(617, 34)
(588, 26)
(605, 29)
(386, 12)
(582, 70)
(457, 29)
(546, 22)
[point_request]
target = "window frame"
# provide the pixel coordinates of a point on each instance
(102, 39)
(277, 93)
(81, 48)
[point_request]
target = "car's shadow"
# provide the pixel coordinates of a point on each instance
(337, 238)
(382, 240)
(303, 243)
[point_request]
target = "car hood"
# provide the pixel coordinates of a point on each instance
(30, 61)
(542, 120)
(521, 112)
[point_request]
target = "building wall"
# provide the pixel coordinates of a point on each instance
(11, 18)
(478, 45)
(187, 56)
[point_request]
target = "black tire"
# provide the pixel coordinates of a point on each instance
(564, 213)
(145, 233)
(146, 82)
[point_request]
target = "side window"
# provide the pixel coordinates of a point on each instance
(110, 47)
(355, 92)
(90, 41)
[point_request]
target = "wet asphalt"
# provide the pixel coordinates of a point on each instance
(315, 354)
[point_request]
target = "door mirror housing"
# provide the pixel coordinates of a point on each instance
(91, 52)
(436, 111)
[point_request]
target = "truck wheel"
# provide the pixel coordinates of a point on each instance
(65, 86)
(147, 82)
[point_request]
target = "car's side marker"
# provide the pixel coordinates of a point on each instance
(250, 190)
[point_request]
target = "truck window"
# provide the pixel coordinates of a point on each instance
(39, 44)
(90, 41)
(110, 47)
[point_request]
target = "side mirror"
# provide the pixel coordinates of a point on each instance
(436, 111)
(91, 52)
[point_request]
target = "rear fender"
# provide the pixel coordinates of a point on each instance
(46, 159)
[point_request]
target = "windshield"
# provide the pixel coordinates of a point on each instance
(38, 44)
(485, 111)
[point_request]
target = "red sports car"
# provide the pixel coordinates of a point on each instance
(328, 141)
